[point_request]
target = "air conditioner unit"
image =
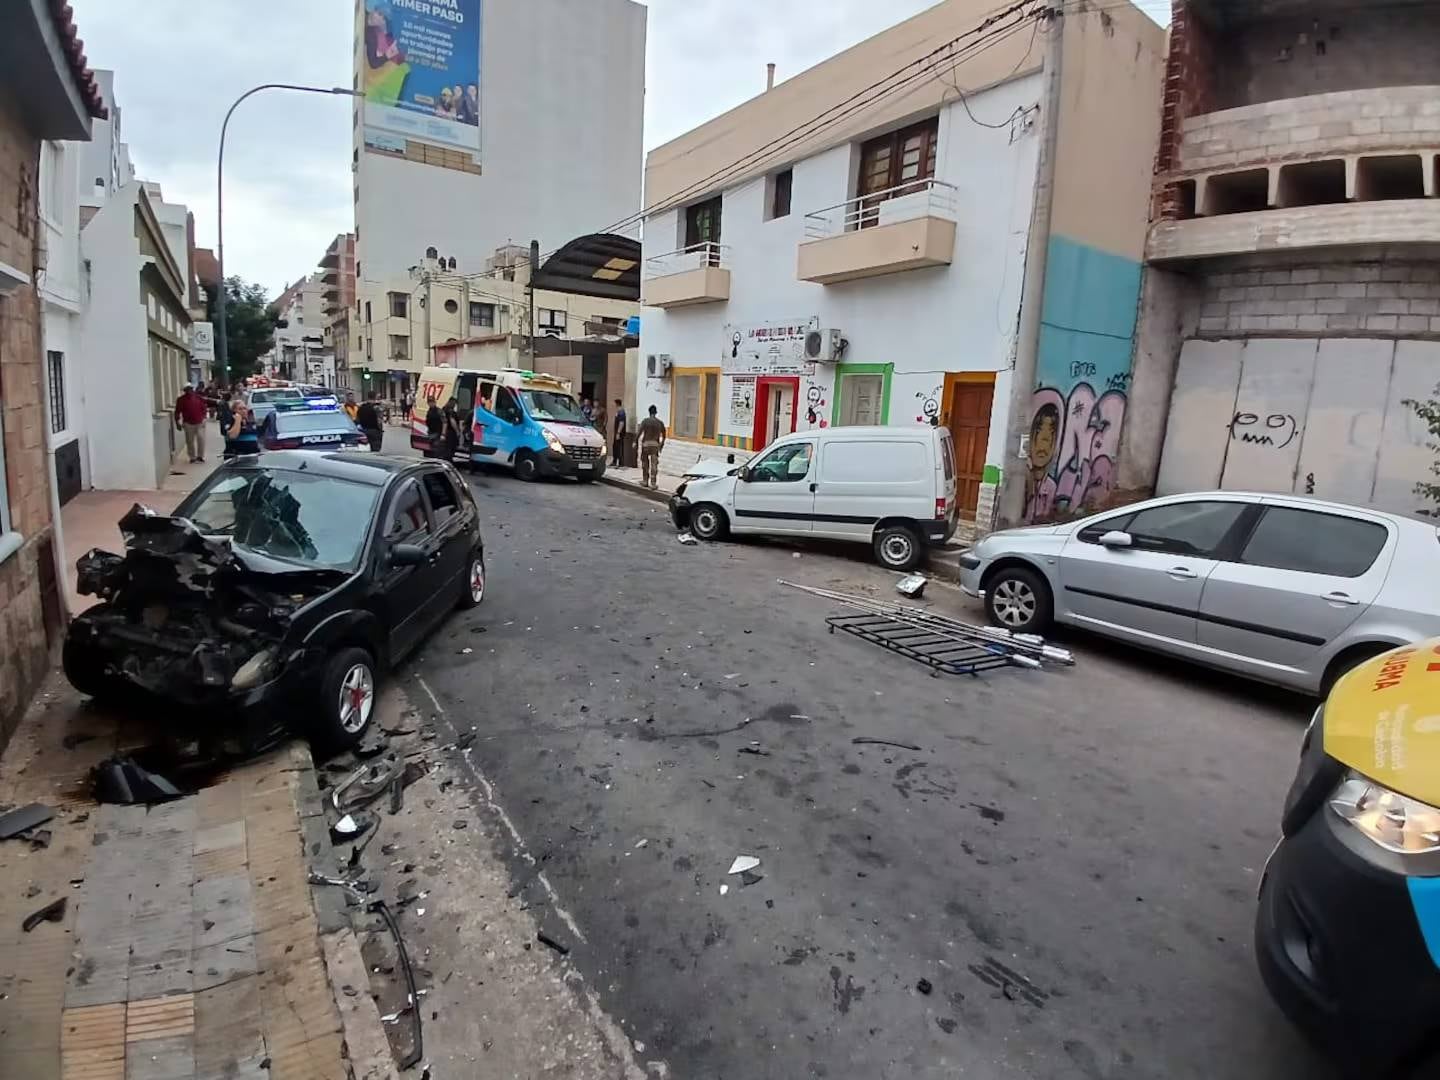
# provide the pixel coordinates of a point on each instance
(657, 365)
(824, 346)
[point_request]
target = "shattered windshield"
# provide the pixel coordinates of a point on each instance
(547, 405)
(317, 521)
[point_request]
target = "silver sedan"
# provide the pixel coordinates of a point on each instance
(1281, 588)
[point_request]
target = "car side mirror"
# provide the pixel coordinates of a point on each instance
(1115, 538)
(407, 555)
(743, 473)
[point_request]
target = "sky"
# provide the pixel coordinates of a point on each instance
(179, 65)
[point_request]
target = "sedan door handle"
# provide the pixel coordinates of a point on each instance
(1341, 598)
(814, 488)
(1182, 572)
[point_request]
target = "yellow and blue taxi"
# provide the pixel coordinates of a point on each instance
(1348, 930)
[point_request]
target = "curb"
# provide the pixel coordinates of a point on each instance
(367, 1047)
(636, 489)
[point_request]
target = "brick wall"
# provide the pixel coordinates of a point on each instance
(1390, 120)
(1379, 299)
(1189, 90)
(29, 600)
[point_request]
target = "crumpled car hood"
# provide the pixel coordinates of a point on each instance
(161, 540)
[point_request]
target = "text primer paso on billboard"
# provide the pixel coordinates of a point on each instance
(420, 73)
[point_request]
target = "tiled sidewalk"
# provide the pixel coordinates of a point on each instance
(191, 946)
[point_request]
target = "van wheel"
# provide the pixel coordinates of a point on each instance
(527, 466)
(898, 547)
(708, 522)
(346, 699)
(1018, 600)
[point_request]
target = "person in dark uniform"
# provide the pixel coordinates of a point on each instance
(434, 428)
(451, 435)
(618, 441)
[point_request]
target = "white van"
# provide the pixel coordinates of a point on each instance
(890, 487)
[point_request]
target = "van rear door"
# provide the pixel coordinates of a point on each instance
(949, 485)
(861, 481)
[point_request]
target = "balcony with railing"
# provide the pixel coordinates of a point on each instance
(698, 274)
(901, 228)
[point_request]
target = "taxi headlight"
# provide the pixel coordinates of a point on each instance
(1396, 822)
(553, 441)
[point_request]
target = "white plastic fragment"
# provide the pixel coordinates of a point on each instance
(743, 863)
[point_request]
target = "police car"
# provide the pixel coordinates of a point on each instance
(311, 423)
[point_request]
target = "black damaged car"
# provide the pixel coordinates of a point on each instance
(279, 591)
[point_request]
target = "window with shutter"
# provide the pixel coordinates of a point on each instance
(904, 157)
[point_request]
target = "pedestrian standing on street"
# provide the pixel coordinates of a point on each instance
(351, 408)
(597, 416)
(652, 441)
(587, 408)
(451, 440)
(434, 428)
(190, 416)
(241, 437)
(367, 416)
(618, 441)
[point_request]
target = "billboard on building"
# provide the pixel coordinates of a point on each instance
(420, 73)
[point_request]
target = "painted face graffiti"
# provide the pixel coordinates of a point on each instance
(929, 406)
(1279, 429)
(1076, 469)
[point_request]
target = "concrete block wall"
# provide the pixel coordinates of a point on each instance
(1378, 299)
(1392, 119)
(29, 598)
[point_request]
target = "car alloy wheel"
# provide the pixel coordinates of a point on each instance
(1014, 603)
(357, 698)
(897, 549)
(477, 581)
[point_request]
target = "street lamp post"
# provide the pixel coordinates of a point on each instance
(221, 342)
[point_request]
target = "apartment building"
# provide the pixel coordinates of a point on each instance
(399, 327)
(1292, 295)
(47, 94)
(337, 275)
(941, 225)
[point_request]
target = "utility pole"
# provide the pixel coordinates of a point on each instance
(1010, 499)
(530, 289)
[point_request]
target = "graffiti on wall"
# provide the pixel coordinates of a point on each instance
(1278, 429)
(1073, 446)
(929, 405)
(817, 400)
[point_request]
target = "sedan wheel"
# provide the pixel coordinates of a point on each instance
(1015, 603)
(1019, 600)
(474, 589)
(357, 699)
(345, 699)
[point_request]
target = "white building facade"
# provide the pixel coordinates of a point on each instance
(877, 269)
(62, 296)
(134, 343)
(562, 88)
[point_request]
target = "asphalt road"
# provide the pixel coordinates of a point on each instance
(1070, 859)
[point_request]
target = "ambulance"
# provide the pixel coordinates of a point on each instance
(524, 420)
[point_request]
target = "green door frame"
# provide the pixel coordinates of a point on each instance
(841, 370)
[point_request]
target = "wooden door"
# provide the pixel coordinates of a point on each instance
(970, 405)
